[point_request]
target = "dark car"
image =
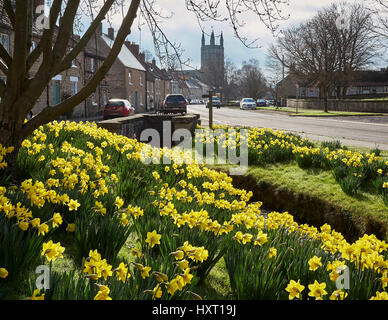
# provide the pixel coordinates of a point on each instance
(118, 108)
(174, 103)
(261, 103)
(216, 102)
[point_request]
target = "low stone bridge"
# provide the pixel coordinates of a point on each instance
(133, 126)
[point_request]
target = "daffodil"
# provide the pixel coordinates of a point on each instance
(52, 251)
(314, 263)
(272, 253)
(317, 290)
(294, 289)
(103, 293)
(338, 295)
(380, 296)
(70, 227)
(178, 255)
(73, 205)
(56, 220)
(157, 292)
(3, 273)
(35, 295)
(145, 272)
(122, 272)
(153, 238)
(183, 264)
(43, 229)
(119, 202)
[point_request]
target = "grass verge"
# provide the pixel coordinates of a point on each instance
(318, 113)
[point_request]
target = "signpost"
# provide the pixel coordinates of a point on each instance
(210, 96)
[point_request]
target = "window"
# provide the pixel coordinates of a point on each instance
(130, 77)
(94, 103)
(4, 40)
(141, 99)
(92, 65)
(74, 63)
(130, 99)
(74, 85)
(141, 79)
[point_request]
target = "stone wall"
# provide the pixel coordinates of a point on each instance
(341, 105)
(133, 126)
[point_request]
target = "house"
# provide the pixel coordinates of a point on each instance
(149, 75)
(162, 83)
(62, 85)
(127, 77)
(158, 81)
(361, 83)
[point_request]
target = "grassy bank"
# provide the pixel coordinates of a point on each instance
(317, 113)
(321, 184)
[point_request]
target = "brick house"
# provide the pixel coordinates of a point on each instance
(62, 85)
(162, 83)
(157, 80)
(127, 77)
(149, 75)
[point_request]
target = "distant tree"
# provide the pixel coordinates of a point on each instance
(230, 80)
(251, 80)
(324, 52)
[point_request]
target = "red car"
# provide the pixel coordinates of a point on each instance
(118, 108)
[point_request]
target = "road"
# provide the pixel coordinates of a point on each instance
(370, 132)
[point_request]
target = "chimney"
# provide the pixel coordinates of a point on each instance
(111, 33)
(99, 29)
(154, 62)
(142, 57)
(133, 47)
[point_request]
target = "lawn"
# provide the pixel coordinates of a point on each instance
(317, 113)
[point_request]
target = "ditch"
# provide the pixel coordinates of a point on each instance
(310, 209)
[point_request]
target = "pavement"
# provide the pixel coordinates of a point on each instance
(363, 131)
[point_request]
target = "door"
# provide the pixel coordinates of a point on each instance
(56, 92)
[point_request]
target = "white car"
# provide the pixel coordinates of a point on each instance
(247, 103)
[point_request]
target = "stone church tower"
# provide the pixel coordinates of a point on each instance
(212, 62)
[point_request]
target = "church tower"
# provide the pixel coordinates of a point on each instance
(212, 61)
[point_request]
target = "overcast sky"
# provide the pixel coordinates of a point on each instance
(183, 28)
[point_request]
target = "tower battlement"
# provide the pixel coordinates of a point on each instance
(212, 61)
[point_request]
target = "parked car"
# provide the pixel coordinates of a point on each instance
(247, 103)
(261, 103)
(118, 108)
(216, 102)
(234, 103)
(174, 103)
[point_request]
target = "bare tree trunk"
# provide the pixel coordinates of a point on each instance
(11, 136)
(325, 99)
